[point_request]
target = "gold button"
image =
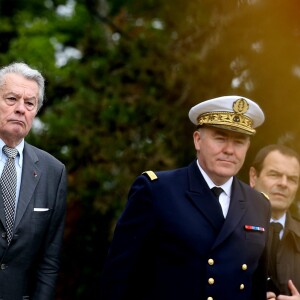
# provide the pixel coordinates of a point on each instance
(242, 287)
(244, 267)
(211, 261)
(210, 298)
(211, 281)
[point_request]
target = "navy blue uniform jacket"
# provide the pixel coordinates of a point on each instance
(167, 244)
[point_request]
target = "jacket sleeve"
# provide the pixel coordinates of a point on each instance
(132, 233)
(48, 267)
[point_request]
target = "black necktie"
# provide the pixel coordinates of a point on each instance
(217, 191)
(275, 229)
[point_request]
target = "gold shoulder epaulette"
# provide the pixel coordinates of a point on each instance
(151, 175)
(265, 195)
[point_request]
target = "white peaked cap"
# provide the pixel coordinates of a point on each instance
(235, 113)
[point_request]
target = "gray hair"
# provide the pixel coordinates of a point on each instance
(27, 72)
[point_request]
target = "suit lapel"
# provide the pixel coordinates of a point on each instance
(237, 209)
(202, 197)
(2, 215)
(30, 177)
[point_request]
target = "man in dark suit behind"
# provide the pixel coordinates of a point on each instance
(176, 239)
(30, 241)
(275, 171)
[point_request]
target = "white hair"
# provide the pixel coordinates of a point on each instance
(27, 72)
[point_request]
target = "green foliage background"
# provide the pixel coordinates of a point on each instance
(121, 77)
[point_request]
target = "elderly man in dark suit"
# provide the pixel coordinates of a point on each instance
(32, 196)
(195, 233)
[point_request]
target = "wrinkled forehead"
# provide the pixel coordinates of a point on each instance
(19, 85)
(282, 163)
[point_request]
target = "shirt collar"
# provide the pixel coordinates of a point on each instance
(226, 186)
(19, 147)
(281, 220)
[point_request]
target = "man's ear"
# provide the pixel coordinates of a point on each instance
(197, 138)
(252, 177)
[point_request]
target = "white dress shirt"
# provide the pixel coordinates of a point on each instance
(224, 197)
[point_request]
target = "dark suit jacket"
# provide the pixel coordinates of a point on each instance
(167, 244)
(29, 265)
(288, 256)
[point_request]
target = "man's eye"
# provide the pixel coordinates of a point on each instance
(294, 180)
(10, 100)
(30, 105)
(220, 138)
(240, 142)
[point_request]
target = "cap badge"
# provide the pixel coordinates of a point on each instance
(240, 106)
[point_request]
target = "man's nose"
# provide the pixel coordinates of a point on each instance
(283, 180)
(20, 106)
(228, 147)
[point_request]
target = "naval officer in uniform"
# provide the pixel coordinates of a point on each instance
(198, 232)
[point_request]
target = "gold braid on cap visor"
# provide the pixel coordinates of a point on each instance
(227, 119)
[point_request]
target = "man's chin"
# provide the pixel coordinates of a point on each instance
(227, 172)
(279, 199)
(278, 205)
(16, 133)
